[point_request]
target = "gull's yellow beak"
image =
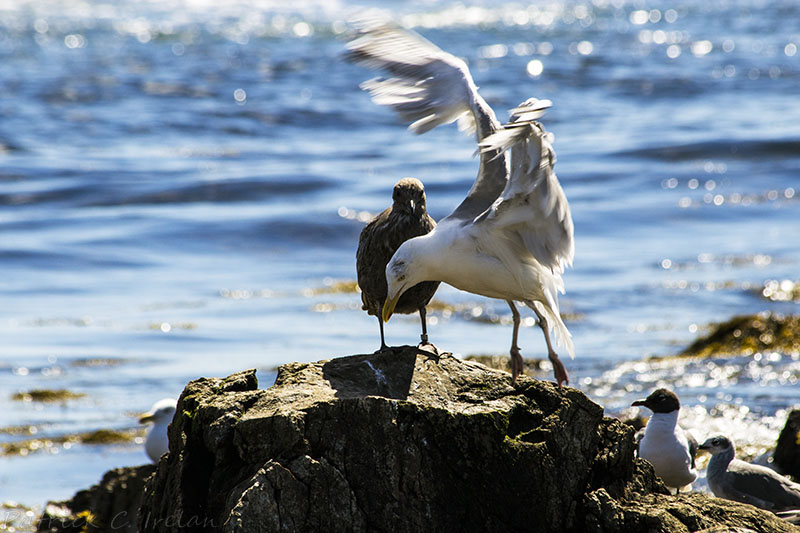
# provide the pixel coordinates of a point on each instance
(147, 417)
(388, 307)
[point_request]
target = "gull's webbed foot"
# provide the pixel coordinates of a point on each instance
(559, 370)
(517, 365)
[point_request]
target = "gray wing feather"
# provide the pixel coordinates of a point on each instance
(693, 445)
(637, 439)
(430, 87)
(764, 484)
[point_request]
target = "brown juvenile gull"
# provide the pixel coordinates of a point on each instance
(380, 239)
(512, 236)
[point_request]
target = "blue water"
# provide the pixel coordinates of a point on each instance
(180, 181)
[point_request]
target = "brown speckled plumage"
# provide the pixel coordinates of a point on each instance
(380, 239)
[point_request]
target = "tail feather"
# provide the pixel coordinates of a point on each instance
(556, 325)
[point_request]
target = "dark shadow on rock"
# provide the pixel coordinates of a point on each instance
(111, 505)
(387, 373)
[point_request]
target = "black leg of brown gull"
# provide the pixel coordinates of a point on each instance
(512, 236)
(380, 239)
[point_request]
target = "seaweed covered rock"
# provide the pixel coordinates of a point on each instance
(407, 441)
(111, 505)
(787, 451)
(748, 334)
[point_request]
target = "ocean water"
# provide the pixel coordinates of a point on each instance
(182, 185)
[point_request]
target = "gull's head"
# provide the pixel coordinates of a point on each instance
(660, 401)
(399, 277)
(409, 197)
(716, 444)
(161, 412)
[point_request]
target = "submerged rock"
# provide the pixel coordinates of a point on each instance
(748, 334)
(111, 505)
(406, 441)
(42, 443)
(46, 395)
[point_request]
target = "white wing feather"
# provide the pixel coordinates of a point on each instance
(533, 204)
(429, 87)
(532, 216)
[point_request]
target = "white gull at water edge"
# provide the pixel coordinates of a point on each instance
(160, 415)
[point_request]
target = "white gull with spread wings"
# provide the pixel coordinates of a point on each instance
(512, 236)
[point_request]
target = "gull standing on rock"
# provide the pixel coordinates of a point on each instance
(512, 236)
(669, 448)
(379, 240)
(736, 480)
(160, 415)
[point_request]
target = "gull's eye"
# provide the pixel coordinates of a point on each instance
(715, 442)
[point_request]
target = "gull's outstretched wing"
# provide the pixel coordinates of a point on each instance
(533, 206)
(429, 87)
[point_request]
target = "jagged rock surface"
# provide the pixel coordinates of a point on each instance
(407, 441)
(111, 505)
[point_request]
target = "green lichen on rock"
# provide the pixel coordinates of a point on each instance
(749, 334)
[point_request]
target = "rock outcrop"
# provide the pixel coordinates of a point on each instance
(748, 334)
(111, 505)
(408, 441)
(787, 451)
